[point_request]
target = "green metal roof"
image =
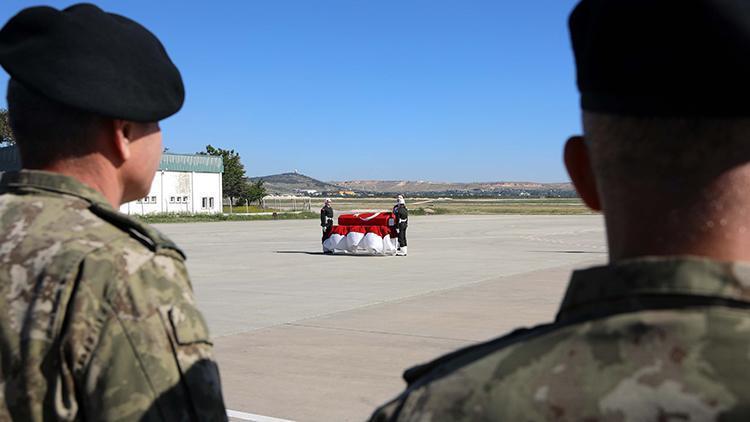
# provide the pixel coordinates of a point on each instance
(191, 162)
(10, 161)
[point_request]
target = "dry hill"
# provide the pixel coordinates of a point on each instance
(289, 183)
(390, 186)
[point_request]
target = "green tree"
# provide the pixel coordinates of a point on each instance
(256, 191)
(6, 135)
(233, 179)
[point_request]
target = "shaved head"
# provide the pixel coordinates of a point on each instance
(664, 151)
(669, 185)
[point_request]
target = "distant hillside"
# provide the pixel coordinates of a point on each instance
(288, 183)
(481, 189)
(296, 183)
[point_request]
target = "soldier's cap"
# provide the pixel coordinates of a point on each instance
(91, 60)
(663, 57)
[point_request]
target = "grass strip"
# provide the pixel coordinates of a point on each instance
(210, 218)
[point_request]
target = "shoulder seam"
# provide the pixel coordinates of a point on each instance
(416, 375)
(154, 241)
(421, 375)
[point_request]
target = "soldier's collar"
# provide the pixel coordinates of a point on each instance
(654, 283)
(52, 182)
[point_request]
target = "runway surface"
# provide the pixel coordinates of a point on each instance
(311, 337)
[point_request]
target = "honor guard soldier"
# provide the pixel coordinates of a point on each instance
(661, 331)
(99, 320)
(401, 217)
(326, 217)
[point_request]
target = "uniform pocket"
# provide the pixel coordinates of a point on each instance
(188, 326)
(174, 347)
(193, 353)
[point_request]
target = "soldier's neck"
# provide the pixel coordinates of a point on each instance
(720, 246)
(94, 174)
(714, 232)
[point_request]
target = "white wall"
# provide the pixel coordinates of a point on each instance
(183, 192)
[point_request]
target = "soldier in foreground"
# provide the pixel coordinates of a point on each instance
(99, 320)
(661, 333)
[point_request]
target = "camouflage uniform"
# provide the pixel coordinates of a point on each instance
(650, 339)
(99, 320)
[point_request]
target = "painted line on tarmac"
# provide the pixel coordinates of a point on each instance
(253, 417)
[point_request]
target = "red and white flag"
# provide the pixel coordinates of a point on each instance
(365, 233)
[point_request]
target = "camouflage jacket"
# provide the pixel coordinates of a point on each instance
(651, 339)
(98, 316)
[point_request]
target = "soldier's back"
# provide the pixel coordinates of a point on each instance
(100, 319)
(622, 351)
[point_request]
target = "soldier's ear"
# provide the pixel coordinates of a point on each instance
(121, 139)
(578, 163)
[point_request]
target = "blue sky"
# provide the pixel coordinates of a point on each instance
(442, 90)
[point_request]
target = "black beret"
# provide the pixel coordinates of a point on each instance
(92, 60)
(663, 57)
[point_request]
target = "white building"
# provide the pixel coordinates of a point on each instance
(184, 183)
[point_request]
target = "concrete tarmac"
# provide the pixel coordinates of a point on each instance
(311, 337)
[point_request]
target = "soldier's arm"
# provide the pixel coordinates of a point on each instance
(152, 357)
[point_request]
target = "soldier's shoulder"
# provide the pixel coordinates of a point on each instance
(451, 362)
(540, 369)
(136, 272)
(472, 367)
(54, 220)
(69, 220)
(138, 232)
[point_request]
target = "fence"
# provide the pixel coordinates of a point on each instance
(287, 203)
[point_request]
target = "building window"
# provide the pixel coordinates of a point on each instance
(184, 199)
(153, 199)
(171, 199)
(179, 199)
(210, 202)
(204, 202)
